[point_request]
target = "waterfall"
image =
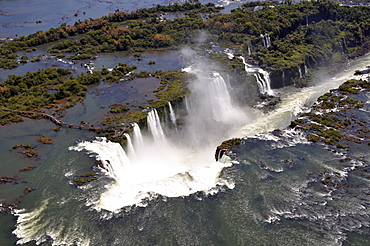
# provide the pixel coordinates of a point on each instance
(109, 153)
(154, 125)
(266, 81)
(221, 104)
(172, 114)
(305, 69)
(263, 40)
(306, 20)
(266, 40)
(260, 85)
(130, 146)
(212, 101)
(249, 50)
(220, 91)
(138, 137)
(341, 47)
(187, 104)
(263, 82)
(181, 163)
(248, 68)
(300, 72)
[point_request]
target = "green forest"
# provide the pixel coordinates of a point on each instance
(279, 37)
(306, 32)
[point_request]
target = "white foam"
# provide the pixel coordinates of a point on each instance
(177, 166)
(168, 171)
(35, 226)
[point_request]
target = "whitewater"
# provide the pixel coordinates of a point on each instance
(160, 162)
(177, 164)
(181, 163)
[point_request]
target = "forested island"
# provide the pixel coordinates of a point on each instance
(290, 41)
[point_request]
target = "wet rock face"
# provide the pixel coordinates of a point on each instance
(226, 146)
(267, 103)
(296, 76)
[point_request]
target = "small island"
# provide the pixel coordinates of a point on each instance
(100, 81)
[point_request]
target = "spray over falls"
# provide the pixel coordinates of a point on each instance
(176, 164)
(172, 114)
(182, 163)
(155, 126)
(280, 191)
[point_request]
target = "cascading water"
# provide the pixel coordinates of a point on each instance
(172, 114)
(266, 40)
(341, 47)
(130, 146)
(138, 137)
(221, 106)
(292, 103)
(300, 72)
(187, 104)
(263, 81)
(176, 166)
(154, 124)
(264, 194)
(306, 20)
(263, 41)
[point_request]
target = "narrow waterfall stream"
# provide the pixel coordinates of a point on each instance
(172, 114)
(175, 190)
(176, 166)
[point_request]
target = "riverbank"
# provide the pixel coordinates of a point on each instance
(167, 189)
(338, 122)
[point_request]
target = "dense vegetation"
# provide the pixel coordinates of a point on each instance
(172, 88)
(52, 87)
(335, 119)
(57, 89)
(281, 37)
(140, 29)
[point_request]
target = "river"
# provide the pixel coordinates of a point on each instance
(167, 189)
